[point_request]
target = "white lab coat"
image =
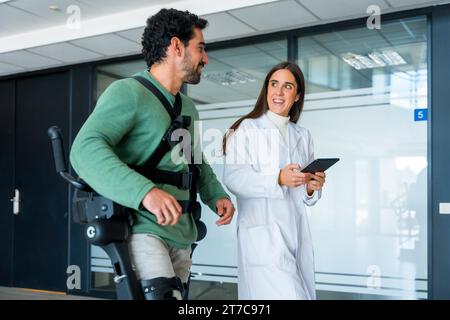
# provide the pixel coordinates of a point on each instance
(275, 251)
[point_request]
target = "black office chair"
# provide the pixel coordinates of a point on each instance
(107, 224)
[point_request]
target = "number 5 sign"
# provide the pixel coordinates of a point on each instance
(420, 114)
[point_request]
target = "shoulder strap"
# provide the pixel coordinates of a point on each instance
(177, 121)
(172, 111)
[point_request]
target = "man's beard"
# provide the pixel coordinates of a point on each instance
(193, 75)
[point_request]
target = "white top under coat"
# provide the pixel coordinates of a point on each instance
(280, 122)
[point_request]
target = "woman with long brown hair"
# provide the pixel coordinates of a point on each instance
(264, 153)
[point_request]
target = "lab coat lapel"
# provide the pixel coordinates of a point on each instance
(295, 140)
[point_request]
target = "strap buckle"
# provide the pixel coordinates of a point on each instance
(179, 122)
(186, 180)
(182, 121)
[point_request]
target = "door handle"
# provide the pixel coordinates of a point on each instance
(16, 201)
(444, 208)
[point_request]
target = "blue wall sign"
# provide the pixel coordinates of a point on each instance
(420, 114)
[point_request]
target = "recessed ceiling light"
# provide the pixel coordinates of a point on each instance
(230, 77)
(374, 59)
(54, 8)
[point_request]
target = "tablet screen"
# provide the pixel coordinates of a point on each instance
(320, 165)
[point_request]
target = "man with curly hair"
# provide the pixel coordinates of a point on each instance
(123, 132)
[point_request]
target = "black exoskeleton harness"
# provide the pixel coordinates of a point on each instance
(182, 180)
(108, 224)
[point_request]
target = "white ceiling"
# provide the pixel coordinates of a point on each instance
(276, 15)
(33, 37)
(335, 9)
(17, 11)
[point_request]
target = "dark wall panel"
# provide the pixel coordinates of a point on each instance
(7, 95)
(40, 229)
(81, 97)
(439, 224)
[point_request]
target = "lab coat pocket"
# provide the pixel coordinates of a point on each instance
(265, 247)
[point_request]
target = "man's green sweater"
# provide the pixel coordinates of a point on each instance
(125, 127)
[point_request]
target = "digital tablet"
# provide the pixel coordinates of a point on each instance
(320, 165)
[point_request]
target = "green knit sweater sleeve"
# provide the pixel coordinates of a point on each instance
(209, 188)
(93, 156)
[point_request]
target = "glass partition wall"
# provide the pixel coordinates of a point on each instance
(366, 103)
